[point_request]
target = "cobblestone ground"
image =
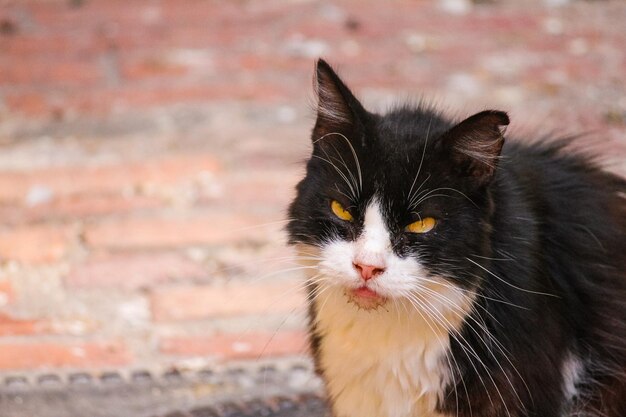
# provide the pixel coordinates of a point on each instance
(149, 149)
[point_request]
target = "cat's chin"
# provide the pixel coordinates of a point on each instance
(365, 298)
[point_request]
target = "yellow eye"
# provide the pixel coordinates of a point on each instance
(340, 212)
(424, 225)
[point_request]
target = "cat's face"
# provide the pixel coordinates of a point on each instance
(395, 206)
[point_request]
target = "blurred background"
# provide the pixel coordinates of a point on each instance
(148, 151)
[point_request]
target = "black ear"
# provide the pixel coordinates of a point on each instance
(336, 105)
(475, 144)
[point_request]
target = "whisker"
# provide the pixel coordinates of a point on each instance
(472, 351)
(487, 333)
(451, 333)
(417, 192)
(509, 284)
(413, 204)
(419, 169)
(282, 271)
(341, 174)
(354, 154)
(443, 348)
(473, 293)
(356, 184)
(255, 226)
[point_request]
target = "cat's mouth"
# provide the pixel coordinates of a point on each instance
(365, 298)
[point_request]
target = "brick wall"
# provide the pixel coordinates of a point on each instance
(149, 149)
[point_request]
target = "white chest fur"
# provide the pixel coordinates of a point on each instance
(383, 363)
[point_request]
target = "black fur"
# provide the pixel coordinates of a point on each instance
(537, 230)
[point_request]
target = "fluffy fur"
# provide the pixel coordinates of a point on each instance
(513, 305)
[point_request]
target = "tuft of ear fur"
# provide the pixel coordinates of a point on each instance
(475, 144)
(336, 106)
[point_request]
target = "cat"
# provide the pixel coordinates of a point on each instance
(456, 273)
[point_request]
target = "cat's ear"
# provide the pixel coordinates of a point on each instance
(337, 107)
(475, 144)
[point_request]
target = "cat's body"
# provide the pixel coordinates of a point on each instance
(459, 277)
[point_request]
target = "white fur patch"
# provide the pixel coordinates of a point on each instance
(388, 362)
(571, 370)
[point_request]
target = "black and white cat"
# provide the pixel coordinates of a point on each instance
(452, 274)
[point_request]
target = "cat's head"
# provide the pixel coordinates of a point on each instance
(397, 204)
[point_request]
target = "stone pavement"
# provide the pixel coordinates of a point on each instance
(278, 388)
(148, 150)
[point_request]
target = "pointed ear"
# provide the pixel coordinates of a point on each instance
(336, 105)
(475, 144)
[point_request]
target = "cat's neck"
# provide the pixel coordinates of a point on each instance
(362, 351)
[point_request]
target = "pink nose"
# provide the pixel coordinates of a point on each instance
(368, 272)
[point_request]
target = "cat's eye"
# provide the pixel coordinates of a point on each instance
(424, 225)
(340, 211)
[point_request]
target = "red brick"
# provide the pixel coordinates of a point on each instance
(54, 44)
(74, 207)
(82, 206)
(96, 16)
(101, 100)
(35, 244)
(51, 73)
(232, 299)
(15, 185)
(252, 345)
(33, 356)
(271, 262)
(132, 271)
(14, 327)
(151, 67)
(212, 229)
(273, 189)
(29, 104)
(7, 293)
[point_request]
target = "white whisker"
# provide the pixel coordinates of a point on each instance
(509, 284)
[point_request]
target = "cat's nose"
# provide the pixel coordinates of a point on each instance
(368, 272)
